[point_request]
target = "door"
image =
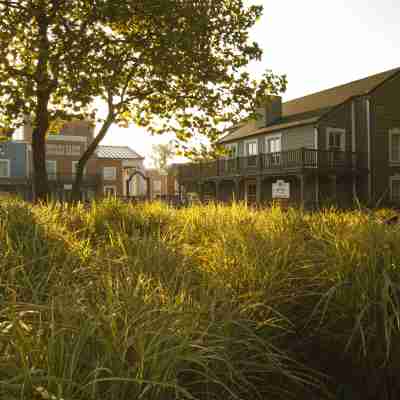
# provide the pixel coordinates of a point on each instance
(251, 192)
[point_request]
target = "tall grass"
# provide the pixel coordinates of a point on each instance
(148, 302)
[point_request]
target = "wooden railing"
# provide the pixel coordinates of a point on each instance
(290, 160)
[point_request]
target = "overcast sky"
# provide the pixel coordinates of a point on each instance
(317, 44)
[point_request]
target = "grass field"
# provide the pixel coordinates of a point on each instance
(119, 302)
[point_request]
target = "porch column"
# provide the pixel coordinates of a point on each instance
(301, 180)
(201, 191)
(258, 189)
(217, 183)
(237, 189)
(355, 196)
(334, 187)
(317, 191)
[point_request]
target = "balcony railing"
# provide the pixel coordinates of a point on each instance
(284, 161)
(91, 180)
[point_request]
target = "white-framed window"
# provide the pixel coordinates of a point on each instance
(110, 191)
(51, 168)
(109, 173)
(251, 147)
(251, 151)
(394, 145)
(4, 168)
(74, 167)
(273, 147)
(395, 188)
(336, 139)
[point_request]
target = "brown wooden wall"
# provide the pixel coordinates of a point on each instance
(385, 114)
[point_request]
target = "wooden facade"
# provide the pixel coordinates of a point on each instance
(334, 147)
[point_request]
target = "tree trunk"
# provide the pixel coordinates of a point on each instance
(41, 122)
(40, 182)
(76, 188)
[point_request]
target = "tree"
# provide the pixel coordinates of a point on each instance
(169, 65)
(180, 68)
(162, 154)
(44, 74)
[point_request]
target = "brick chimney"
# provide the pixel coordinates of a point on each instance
(269, 112)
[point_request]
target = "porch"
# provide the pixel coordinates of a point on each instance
(314, 176)
(284, 162)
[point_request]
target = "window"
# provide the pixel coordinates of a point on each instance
(230, 159)
(273, 147)
(336, 139)
(251, 147)
(74, 167)
(395, 188)
(110, 173)
(232, 150)
(110, 191)
(51, 168)
(394, 145)
(4, 168)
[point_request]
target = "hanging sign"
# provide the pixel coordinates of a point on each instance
(281, 190)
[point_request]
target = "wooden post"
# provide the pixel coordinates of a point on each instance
(258, 189)
(302, 157)
(301, 178)
(237, 189)
(334, 187)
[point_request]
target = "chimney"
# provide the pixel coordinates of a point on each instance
(270, 111)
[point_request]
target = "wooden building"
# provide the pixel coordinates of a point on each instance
(337, 146)
(107, 173)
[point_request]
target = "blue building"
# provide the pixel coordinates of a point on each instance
(15, 168)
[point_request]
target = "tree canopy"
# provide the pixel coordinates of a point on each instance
(161, 155)
(171, 66)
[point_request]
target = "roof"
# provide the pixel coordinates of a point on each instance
(309, 109)
(117, 153)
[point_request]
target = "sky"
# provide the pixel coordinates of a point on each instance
(318, 44)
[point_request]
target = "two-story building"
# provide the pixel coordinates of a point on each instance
(339, 145)
(108, 172)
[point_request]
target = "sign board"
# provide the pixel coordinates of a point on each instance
(281, 190)
(68, 186)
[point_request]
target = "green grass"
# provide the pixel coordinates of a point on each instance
(118, 302)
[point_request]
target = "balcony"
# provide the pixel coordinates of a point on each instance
(291, 161)
(54, 179)
(69, 179)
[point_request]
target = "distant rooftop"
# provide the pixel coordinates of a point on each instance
(117, 153)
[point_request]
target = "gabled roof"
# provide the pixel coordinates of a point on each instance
(117, 153)
(336, 95)
(309, 109)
